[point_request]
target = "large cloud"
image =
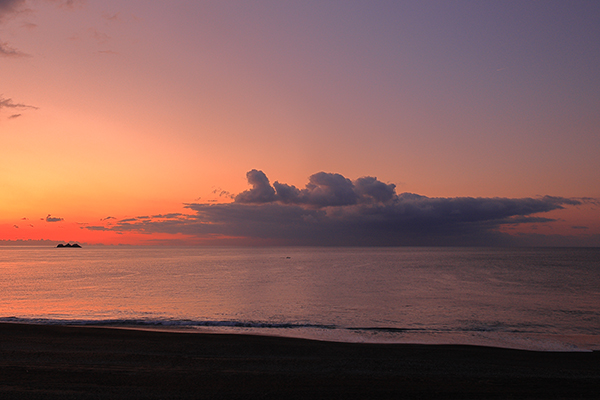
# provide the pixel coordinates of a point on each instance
(323, 190)
(333, 210)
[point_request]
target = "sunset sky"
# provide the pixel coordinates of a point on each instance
(300, 122)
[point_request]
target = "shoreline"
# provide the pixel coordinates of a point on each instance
(533, 341)
(541, 343)
(55, 361)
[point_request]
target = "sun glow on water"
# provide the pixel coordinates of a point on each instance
(524, 298)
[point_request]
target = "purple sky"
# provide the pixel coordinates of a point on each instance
(140, 108)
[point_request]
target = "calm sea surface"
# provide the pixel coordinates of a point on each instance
(543, 299)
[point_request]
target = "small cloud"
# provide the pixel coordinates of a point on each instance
(589, 200)
(223, 193)
(50, 218)
(107, 218)
(112, 17)
(528, 220)
(68, 3)
(579, 227)
(168, 216)
(95, 228)
(24, 219)
(16, 226)
(29, 25)
(100, 37)
(14, 116)
(7, 51)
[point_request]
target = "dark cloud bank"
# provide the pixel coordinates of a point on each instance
(333, 210)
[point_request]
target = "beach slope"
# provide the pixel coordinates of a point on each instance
(59, 362)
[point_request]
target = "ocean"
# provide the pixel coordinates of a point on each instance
(525, 298)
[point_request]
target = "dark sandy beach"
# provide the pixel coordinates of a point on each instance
(57, 362)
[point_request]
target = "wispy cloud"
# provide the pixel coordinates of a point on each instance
(100, 37)
(68, 3)
(7, 51)
(10, 8)
(10, 105)
(29, 25)
(115, 17)
(334, 210)
(223, 193)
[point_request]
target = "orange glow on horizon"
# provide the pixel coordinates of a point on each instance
(146, 111)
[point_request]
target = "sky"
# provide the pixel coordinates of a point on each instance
(300, 122)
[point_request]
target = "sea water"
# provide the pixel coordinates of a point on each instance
(528, 298)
